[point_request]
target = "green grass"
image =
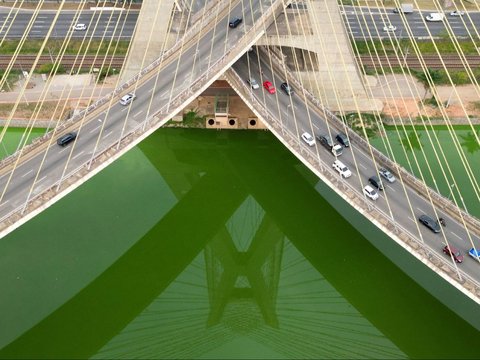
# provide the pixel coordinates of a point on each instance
(10, 81)
(74, 47)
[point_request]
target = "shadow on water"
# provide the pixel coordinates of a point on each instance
(236, 167)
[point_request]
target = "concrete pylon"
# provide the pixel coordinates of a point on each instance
(320, 30)
(151, 34)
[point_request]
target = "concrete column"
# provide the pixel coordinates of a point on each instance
(150, 36)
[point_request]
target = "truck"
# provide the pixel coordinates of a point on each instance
(435, 17)
(327, 142)
(404, 8)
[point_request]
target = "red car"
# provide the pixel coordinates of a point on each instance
(269, 86)
(454, 253)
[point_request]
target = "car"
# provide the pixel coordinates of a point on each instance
(343, 139)
(287, 88)
(127, 99)
(386, 174)
(389, 28)
(342, 169)
(80, 27)
(435, 17)
(457, 13)
(67, 138)
(430, 223)
(269, 87)
(235, 22)
(453, 252)
(327, 142)
(376, 182)
(370, 192)
(308, 139)
(474, 253)
(253, 83)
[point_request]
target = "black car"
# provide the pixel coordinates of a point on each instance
(343, 139)
(287, 88)
(430, 223)
(325, 140)
(65, 139)
(235, 22)
(376, 182)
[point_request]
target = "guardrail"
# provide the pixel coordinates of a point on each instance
(418, 248)
(134, 135)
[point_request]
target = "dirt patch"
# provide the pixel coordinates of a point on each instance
(55, 110)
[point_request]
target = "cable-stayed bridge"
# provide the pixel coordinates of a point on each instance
(40, 173)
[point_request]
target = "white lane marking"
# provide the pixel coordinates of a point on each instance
(65, 148)
(28, 172)
(138, 113)
(100, 120)
(451, 232)
(43, 178)
(363, 166)
(108, 134)
(93, 130)
(151, 90)
(411, 218)
(390, 188)
(315, 126)
(124, 109)
(76, 156)
(421, 210)
(40, 21)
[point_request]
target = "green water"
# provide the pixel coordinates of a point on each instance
(447, 161)
(206, 244)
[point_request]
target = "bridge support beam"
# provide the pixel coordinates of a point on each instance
(151, 36)
(335, 77)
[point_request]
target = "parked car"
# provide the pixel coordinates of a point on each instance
(234, 22)
(80, 27)
(308, 139)
(376, 182)
(67, 138)
(430, 223)
(474, 253)
(389, 28)
(327, 142)
(453, 252)
(253, 83)
(457, 13)
(370, 192)
(269, 87)
(127, 99)
(342, 169)
(343, 139)
(287, 88)
(387, 175)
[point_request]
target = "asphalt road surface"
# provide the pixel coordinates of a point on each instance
(361, 23)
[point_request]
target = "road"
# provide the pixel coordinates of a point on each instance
(297, 118)
(362, 23)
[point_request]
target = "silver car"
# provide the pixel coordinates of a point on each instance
(387, 175)
(253, 83)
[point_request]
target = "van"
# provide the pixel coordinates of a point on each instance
(65, 139)
(435, 17)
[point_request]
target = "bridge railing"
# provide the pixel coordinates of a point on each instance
(382, 220)
(133, 135)
(441, 202)
(42, 141)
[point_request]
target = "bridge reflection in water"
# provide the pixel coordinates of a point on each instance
(247, 263)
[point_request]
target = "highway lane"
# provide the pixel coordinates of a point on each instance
(174, 78)
(369, 23)
(361, 22)
(392, 200)
(99, 24)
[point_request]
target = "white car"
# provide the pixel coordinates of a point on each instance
(127, 99)
(308, 139)
(435, 17)
(457, 13)
(342, 169)
(389, 28)
(370, 192)
(80, 27)
(253, 83)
